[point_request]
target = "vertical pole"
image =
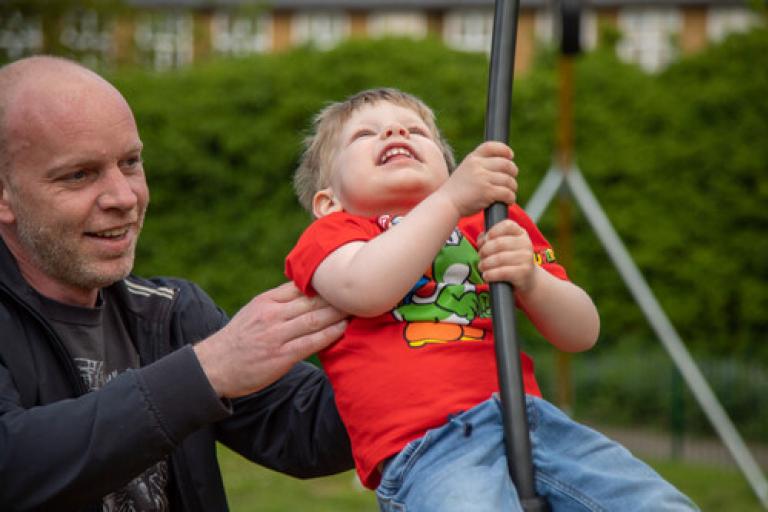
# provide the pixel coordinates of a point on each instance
(518, 444)
(570, 45)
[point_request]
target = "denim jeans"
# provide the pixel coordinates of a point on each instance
(462, 467)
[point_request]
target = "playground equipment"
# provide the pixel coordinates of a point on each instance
(518, 444)
(565, 178)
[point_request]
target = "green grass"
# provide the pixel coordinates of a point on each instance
(251, 488)
(713, 488)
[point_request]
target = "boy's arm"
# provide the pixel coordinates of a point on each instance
(562, 312)
(368, 278)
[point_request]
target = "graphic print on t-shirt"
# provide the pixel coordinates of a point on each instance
(442, 305)
(146, 492)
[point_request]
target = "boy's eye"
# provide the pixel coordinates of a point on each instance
(418, 130)
(363, 132)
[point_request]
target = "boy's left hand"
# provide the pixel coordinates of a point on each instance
(506, 254)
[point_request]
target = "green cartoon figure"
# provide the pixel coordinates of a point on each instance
(442, 304)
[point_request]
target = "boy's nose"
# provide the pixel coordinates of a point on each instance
(395, 129)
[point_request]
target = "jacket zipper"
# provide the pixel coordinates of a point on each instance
(58, 346)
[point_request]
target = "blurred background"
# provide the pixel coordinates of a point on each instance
(669, 126)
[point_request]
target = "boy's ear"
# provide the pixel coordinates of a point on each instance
(324, 203)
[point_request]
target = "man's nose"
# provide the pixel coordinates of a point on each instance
(117, 191)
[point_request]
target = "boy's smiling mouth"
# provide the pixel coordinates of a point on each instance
(393, 151)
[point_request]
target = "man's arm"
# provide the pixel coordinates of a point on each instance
(291, 426)
(284, 416)
(72, 452)
(266, 338)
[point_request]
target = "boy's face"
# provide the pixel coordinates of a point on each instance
(386, 161)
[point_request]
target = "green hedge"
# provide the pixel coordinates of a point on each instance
(678, 160)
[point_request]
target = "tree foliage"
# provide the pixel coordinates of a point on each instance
(678, 161)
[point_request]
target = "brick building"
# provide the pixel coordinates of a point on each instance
(165, 34)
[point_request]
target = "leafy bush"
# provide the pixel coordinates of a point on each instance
(677, 160)
(633, 384)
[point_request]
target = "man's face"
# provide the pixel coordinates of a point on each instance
(387, 161)
(76, 188)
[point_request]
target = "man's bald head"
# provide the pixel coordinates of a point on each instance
(33, 85)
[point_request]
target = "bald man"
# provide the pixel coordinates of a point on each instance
(114, 388)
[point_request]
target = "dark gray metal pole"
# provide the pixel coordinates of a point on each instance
(518, 444)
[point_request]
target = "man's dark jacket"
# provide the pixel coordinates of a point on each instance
(63, 448)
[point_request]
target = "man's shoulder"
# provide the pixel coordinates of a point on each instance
(162, 287)
(188, 307)
(157, 290)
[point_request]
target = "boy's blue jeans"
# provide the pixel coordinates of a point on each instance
(462, 467)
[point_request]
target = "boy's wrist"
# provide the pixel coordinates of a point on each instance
(531, 283)
(440, 200)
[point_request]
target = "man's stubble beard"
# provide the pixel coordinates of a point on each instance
(57, 255)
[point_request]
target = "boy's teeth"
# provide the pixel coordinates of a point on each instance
(395, 151)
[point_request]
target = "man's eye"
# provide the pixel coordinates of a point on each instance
(132, 162)
(78, 175)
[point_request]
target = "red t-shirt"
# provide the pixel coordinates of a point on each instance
(403, 372)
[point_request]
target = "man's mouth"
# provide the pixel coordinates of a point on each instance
(396, 151)
(110, 234)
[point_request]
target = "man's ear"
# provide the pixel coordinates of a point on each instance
(6, 212)
(325, 203)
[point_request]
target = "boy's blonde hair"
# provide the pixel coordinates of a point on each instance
(314, 170)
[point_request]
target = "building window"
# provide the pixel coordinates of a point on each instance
(233, 34)
(722, 21)
(397, 23)
(20, 36)
(165, 40)
(89, 36)
(469, 30)
(544, 28)
(648, 36)
(323, 29)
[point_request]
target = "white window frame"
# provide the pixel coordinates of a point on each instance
(167, 38)
(20, 36)
(723, 21)
(240, 34)
(469, 29)
(89, 34)
(648, 35)
(397, 23)
(320, 28)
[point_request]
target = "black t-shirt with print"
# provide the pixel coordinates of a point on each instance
(101, 348)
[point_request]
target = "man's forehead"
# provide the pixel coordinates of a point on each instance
(61, 105)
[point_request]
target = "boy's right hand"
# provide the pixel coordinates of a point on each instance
(487, 175)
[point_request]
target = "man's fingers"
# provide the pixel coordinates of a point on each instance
(308, 344)
(290, 302)
(310, 321)
(286, 292)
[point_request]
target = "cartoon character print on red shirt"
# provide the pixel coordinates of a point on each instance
(444, 302)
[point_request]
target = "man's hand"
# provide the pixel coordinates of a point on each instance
(270, 334)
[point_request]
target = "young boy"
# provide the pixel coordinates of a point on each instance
(414, 375)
